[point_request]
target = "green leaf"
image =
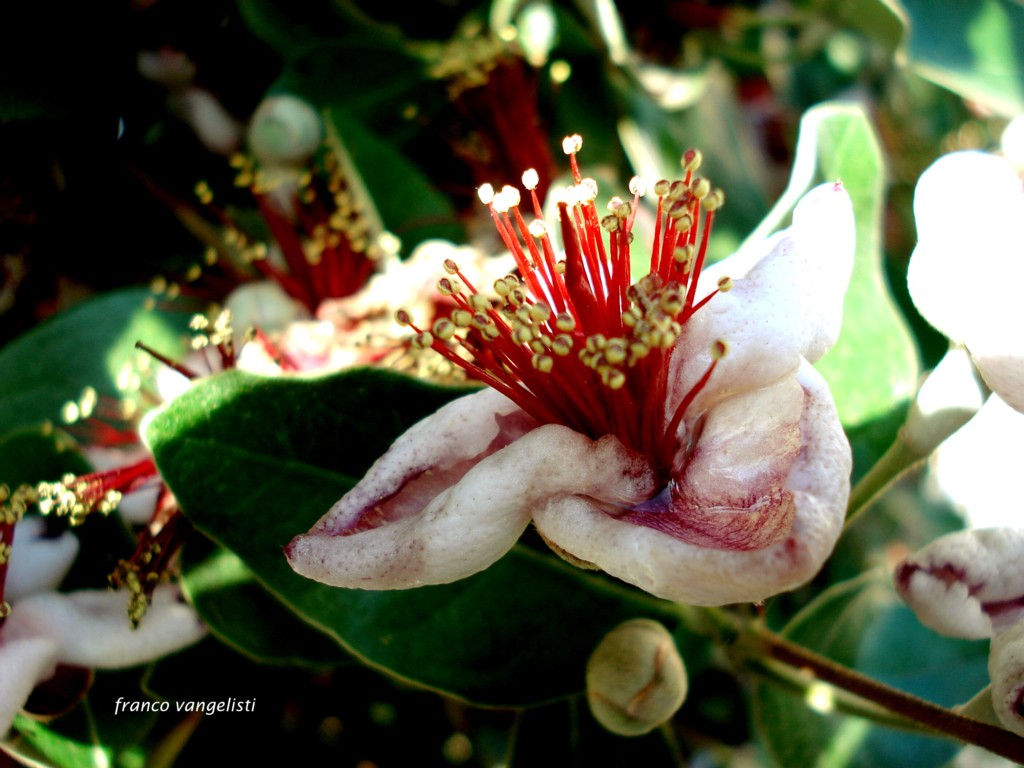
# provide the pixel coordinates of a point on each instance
(86, 346)
(974, 49)
(241, 614)
(34, 454)
(286, 449)
(873, 369)
(863, 624)
(408, 202)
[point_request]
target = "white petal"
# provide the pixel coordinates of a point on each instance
(24, 663)
(968, 583)
(966, 271)
(668, 567)
(91, 627)
(38, 562)
(1006, 670)
(787, 307)
(470, 523)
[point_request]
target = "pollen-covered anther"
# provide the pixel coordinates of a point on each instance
(610, 223)
(565, 322)
(537, 228)
(714, 200)
(661, 187)
(450, 266)
(531, 178)
(561, 344)
(462, 318)
(443, 329)
(486, 194)
(637, 186)
(543, 363)
(572, 144)
(725, 284)
(449, 287)
(403, 318)
(719, 349)
(700, 188)
(691, 160)
(423, 340)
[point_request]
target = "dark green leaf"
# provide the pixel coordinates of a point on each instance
(240, 613)
(86, 346)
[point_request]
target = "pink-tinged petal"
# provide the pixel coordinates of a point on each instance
(965, 273)
(1006, 670)
(664, 565)
(38, 562)
(786, 308)
(91, 627)
(24, 663)
(731, 492)
(394, 528)
(966, 584)
(474, 512)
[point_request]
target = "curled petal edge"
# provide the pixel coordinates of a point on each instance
(676, 570)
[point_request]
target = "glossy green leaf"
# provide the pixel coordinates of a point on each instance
(864, 625)
(240, 613)
(286, 450)
(974, 49)
(873, 368)
(86, 346)
(408, 202)
(38, 453)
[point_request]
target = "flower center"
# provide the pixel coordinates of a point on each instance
(576, 341)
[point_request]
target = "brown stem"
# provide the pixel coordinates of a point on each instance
(931, 716)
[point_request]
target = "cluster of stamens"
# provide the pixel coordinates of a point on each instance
(576, 341)
(78, 497)
(328, 236)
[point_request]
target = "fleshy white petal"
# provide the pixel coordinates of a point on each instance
(24, 662)
(968, 583)
(965, 273)
(1006, 670)
(454, 494)
(787, 307)
(91, 627)
(666, 566)
(38, 562)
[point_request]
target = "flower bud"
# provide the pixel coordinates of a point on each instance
(284, 131)
(636, 679)
(1006, 669)
(966, 584)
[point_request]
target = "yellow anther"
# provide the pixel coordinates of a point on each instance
(572, 144)
(725, 284)
(596, 342)
(538, 345)
(565, 322)
(677, 190)
(479, 302)
(719, 349)
(615, 351)
(661, 187)
(714, 200)
(501, 287)
(683, 254)
(490, 332)
(540, 312)
(612, 378)
(423, 340)
(672, 301)
(543, 363)
(638, 350)
(450, 266)
(444, 329)
(691, 160)
(610, 223)
(561, 345)
(523, 334)
(446, 286)
(700, 188)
